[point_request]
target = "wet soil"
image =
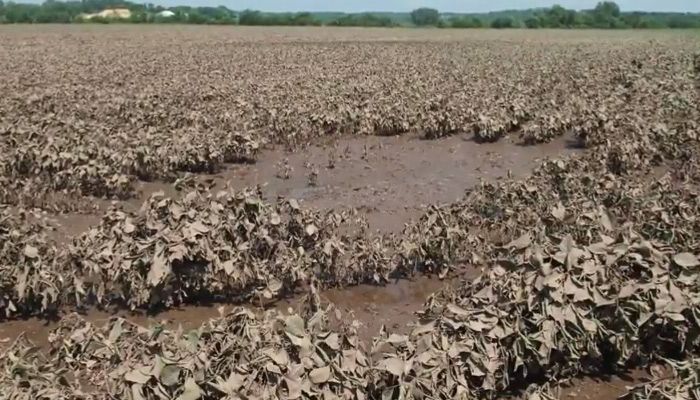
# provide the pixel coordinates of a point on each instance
(393, 305)
(603, 388)
(390, 180)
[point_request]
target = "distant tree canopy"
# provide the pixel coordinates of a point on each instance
(425, 16)
(465, 22)
(503, 22)
(364, 19)
(605, 15)
(252, 17)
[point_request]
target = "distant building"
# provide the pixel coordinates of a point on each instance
(110, 13)
(166, 14)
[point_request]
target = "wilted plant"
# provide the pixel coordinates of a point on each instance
(284, 170)
(589, 264)
(312, 177)
(332, 159)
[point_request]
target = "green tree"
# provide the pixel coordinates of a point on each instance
(606, 14)
(532, 23)
(633, 20)
(195, 17)
(503, 23)
(250, 17)
(303, 19)
(554, 17)
(681, 21)
(466, 22)
(20, 13)
(365, 19)
(607, 8)
(425, 16)
(139, 17)
(216, 15)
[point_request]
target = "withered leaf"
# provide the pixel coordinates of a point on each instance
(559, 212)
(31, 252)
(393, 365)
(311, 229)
(279, 356)
(293, 388)
(295, 326)
(320, 375)
(191, 391)
(160, 268)
(686, 260)
(141, 375)
(230, 385)
(521, 243)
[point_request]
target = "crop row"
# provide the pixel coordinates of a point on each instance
(588, 268)
(92, 126)
(235, 244)
(589, 265)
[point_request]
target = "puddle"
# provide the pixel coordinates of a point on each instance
(390, 180)
(392, 305)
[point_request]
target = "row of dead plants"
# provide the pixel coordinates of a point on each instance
(591, 266)
(548, 308)
(74, 127)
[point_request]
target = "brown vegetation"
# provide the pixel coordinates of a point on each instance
(590, 264)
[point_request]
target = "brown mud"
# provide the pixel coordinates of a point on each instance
(603, 387)
(393, 305)
(389, 180)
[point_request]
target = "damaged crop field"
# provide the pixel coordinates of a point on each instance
(228, 213)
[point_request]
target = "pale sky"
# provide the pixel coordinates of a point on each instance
(442, 5)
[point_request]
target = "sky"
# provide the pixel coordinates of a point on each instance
(476, 6)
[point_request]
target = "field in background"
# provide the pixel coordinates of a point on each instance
(326, 34)
(153, 173)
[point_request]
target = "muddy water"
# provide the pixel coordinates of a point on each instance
(607, 387)
(390, 180)
(392, 305)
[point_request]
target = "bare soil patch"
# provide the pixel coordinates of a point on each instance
(389, 180)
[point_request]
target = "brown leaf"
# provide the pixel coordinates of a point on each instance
(31, 252)
(521, 243)
(686, 260)
(393, 365)
(320, 375)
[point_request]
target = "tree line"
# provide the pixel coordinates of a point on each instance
(53, 11)
(606, 15)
